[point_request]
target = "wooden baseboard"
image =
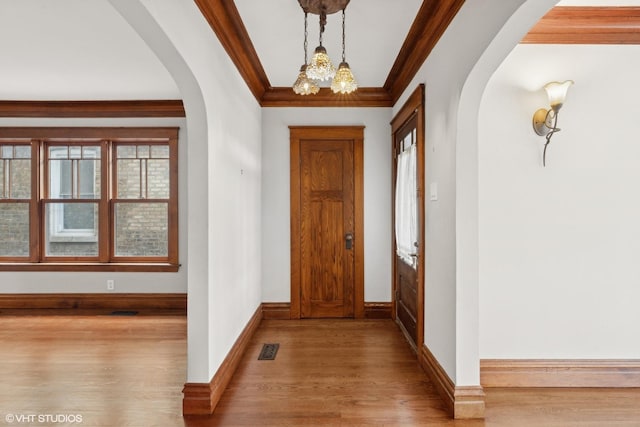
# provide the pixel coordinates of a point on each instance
(276, 310)
(560, 373)
(282, 310)
(377, 310)
(202, 398)
(109, 301)
(469, 403)
(461, 402)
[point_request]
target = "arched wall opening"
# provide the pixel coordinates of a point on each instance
(223, 174)
(515, 27)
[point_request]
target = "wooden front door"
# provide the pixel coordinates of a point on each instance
(326, 234)
(408, 257)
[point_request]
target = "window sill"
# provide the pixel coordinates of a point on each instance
(70, 266)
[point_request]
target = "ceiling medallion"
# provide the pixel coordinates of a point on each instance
(318, 6)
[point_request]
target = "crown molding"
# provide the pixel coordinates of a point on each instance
(587, 25)
(430, 23)
(363, 97)
(224, 19)
(83, 109)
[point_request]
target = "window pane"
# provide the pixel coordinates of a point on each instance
(160, 151)
(158, 180)
(143, 151)
(4, 193)
(128, 179)
(59, 152)
(60, 179)
(20, 179)
(90, 152)
(71, 229)
(14, 229)
(75, 152)
(15, 172)
(89, 179)
(141, 229)
(7, 152)
(23, 152)
(126, 152)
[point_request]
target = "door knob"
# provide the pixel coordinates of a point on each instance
(348, 240)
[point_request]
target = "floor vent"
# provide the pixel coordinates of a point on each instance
(124, 313)
(269, 352)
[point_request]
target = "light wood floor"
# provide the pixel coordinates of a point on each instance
(129, 371)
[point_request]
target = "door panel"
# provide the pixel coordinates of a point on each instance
(326, 271)
(325, 265)
(407, 296)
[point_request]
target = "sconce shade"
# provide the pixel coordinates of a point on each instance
(545, 122)
(321, 67)
(557, 93)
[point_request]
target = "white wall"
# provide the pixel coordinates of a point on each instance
(223, 177)
(276, 266)
(559, 272)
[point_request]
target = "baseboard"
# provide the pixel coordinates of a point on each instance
(460, 402)
(110, 301)
(377, 310)
(282, 310)
(202, 398)
(276, 310)
(560, 373)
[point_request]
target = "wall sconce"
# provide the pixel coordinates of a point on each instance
(545, 121)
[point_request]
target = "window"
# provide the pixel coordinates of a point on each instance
(100, 198)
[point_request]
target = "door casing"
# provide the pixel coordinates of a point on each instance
(298, 134)
(413, 105)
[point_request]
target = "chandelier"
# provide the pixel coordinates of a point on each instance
(321, 68)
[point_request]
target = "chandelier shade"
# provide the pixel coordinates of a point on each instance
(344, 82)
(304, 85)
(321, 67)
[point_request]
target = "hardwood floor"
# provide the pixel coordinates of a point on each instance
(329, 373)
(111, 370)
(129, 371)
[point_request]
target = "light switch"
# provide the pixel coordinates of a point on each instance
(433, 191)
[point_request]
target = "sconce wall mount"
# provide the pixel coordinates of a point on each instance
(545, 121)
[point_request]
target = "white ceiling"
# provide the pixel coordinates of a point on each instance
(75, 50)
(375, 30)
(604, 3)
(84, 50)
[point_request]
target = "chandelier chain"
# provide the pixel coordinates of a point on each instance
(343, 33)
(305, 38)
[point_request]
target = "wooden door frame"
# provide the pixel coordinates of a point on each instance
(415, 104)
(297, 135)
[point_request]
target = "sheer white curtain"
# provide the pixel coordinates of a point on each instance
(406, 207)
